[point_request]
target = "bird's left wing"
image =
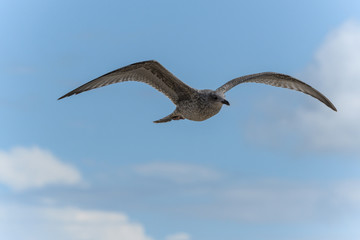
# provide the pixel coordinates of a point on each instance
(277, 80)
(150, 72)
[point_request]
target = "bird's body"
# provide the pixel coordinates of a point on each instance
(192, 104)
(200, 107)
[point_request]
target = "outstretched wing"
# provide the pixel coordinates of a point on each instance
(278, 80)
(150, 72)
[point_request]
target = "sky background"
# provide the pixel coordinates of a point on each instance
(275, 165)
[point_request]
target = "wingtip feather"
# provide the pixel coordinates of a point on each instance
(62, 97)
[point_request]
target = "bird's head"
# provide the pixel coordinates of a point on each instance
(217, 97)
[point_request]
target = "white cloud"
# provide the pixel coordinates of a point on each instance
(94, 225)
(23, 168)
(67, 223)
(335, 72)
(334, 206)
(178, 236)
(336, 67)
(177, 172)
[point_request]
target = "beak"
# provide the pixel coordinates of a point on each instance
(225, 102)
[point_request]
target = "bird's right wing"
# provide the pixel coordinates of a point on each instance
(150, 72)
(278, 80)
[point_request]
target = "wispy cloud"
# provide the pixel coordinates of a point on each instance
(256, 201)
(24, 168)
(270, 202)
(178, 236)
(177, 172)
(281, 201)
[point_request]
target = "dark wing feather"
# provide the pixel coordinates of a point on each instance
(150, 72)
(278, 80)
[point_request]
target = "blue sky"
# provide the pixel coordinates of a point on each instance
(276, 164)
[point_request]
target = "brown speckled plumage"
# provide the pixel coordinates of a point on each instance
(192, 104)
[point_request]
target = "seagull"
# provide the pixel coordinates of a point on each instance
(191, 103)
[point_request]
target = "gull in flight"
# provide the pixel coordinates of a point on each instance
(191, 103)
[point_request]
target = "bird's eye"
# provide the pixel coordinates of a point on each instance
(215, 97)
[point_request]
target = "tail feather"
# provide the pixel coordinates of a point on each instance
(176, 115)
(165, 119)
